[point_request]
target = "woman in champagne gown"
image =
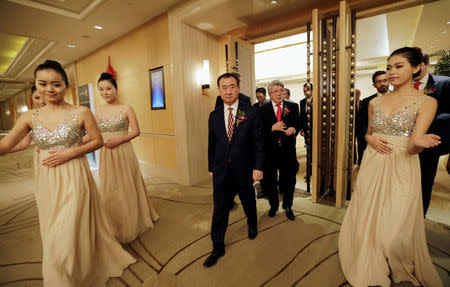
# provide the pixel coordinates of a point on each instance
(383, 232)
(78, 247)
(122, 189)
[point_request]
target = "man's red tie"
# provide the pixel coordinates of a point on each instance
(230, 124)
(416, 85)
(278, 112)
(279, 118)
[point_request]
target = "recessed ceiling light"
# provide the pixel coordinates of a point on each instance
(98, 27)
(71, 46)
(443, 32)
(273, 2)
(437, 40)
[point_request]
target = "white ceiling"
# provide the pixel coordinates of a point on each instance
(54, 24)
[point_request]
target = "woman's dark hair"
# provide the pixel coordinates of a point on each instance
(33, 89)
(412, 54)
(107, 77)
(53, 65)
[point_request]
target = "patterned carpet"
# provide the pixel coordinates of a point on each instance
(285, 253)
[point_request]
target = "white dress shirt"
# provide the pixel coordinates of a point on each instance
(226, 113)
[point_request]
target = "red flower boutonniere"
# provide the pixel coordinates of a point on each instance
(240, 117)
(286, 111)
(429, 91)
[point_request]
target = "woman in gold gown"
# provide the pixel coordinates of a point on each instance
(383, 233)
(78, 247)
(122, 189)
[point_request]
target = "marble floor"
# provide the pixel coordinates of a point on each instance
(285, 253)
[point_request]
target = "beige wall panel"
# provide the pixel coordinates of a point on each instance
(165, 154)
(132, 56)
(144, 147)
(198, 46)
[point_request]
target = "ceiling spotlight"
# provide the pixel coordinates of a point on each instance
(71, 46)
(443, 32)
(275, 3)
(98, 27)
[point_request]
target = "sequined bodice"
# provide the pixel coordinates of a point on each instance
(118, 122)
(399, 123)
(67, 134)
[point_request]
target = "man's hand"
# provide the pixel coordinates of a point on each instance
(279, 126)
(290, 131)
(210, 174)
(257, 175)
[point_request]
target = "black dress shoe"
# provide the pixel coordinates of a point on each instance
(213, 257)
(252, 232)
(290, 214)
(261, 194)
(273, 211)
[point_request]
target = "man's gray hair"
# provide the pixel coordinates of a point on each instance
(274, 83)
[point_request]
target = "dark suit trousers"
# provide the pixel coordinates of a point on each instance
(362, 145)
(429, 158)
(222, 195)
(282, 161)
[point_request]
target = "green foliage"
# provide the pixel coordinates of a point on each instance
(442, 67)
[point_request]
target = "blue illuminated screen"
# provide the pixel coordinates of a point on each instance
(157, 89)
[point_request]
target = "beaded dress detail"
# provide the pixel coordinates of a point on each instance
(399, 123)
(122, 188)
(118, 122)
(383, 233)
(66, 134)
(79, 248)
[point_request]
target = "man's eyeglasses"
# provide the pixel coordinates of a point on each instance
(385, 81)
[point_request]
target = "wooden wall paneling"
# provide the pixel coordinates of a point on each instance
(316, 75)
(342, 103)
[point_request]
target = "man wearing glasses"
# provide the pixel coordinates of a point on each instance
(380, 82)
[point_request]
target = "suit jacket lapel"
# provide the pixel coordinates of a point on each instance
(274, 115)
(430, 82)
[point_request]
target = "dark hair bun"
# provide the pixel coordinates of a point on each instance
(107, 77)
(53, 65)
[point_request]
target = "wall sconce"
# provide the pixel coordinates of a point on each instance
(205, 78)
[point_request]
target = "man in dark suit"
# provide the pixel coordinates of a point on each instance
(260, 101)
(260, 98)
(303, 121)
(437, 87)
(219, 102)
(280, 124)
(381, 83)
(235, 161)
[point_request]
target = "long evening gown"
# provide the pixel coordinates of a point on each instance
(383, 232)
(78, 247)
(122, 189)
